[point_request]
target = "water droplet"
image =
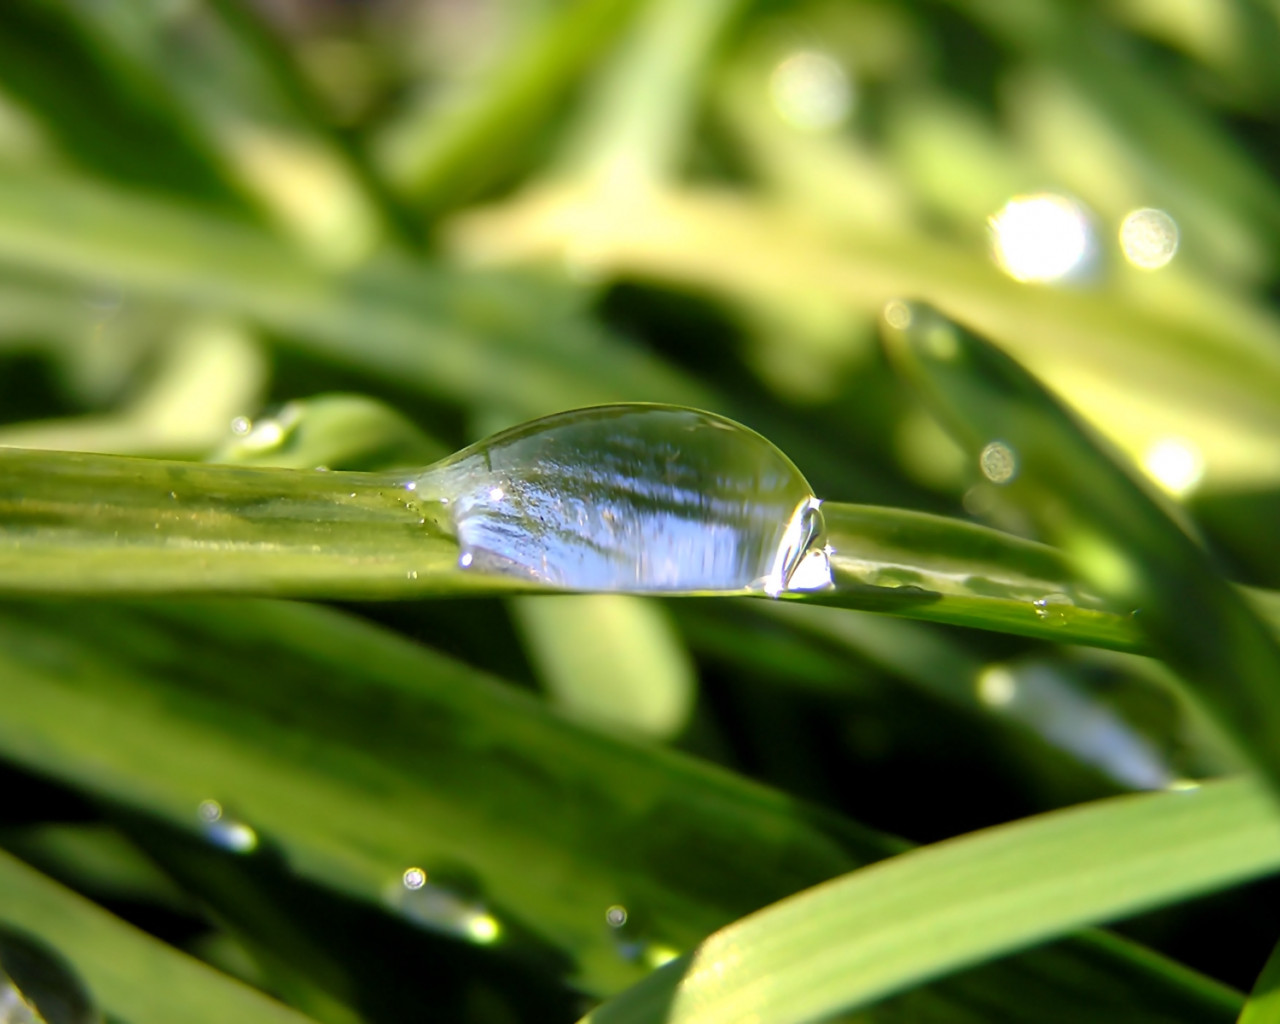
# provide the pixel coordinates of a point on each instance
(811, 92)
(635, 498)
(39, 986)
(1149, 238)
(1043, 237)
(1052, 608)
(241, 425)
(616, 916)
(224, 831)
(1176, 465)
(997, 686)
(441, 907)
(998, 462)
(411, 485)
(897, 314)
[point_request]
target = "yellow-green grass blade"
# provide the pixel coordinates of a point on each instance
(853, 941)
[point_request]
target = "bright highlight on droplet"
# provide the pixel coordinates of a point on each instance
(811, 92)
(998, 462)
(414, 878)
(483, 928)
(1149, 238)
(1176, 465)
(616, 916)
(1042, 237)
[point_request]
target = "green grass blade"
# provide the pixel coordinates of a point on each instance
(853, 941)
(947, 570)
(278, 710)
(135, 978)
(1124, 540)
(102, 524)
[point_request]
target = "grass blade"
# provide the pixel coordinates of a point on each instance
(135, 978)
(1124, 540)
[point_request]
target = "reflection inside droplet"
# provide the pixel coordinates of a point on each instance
(1149, 238)
(1176, 465)
(998, 462)
(811, 92)
(1043, 237)
(633, 498)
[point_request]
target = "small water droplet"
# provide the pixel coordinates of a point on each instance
(811, 92)
(224, 831)
(1149, 238)
(1040, 238)
(1052, 608)
(411, 485)
(616, 916)
(442, 907)
(241, 425)
(998, 462)
(635, 498)
(997, 686)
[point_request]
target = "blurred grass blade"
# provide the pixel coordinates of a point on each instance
(352, 754)
(610, 660)
(135, 978)
(1263, 1006)
(1123, 539)
(474, 337)
(850, 942)
(438, 154)
(638, 116)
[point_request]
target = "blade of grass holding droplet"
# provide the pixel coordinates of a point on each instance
(1123, 539)
(134, 977)
(278, 710)
(853, 941)
(84, 524)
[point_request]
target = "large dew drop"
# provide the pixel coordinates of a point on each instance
(632, 498)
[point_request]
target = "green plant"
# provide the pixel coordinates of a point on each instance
(261, 266)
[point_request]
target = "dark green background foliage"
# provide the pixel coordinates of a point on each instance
(290, 234)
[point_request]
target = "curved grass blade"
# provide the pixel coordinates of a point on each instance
(1124, 540)
(136, 978)
(354, 754)
(850, 942)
